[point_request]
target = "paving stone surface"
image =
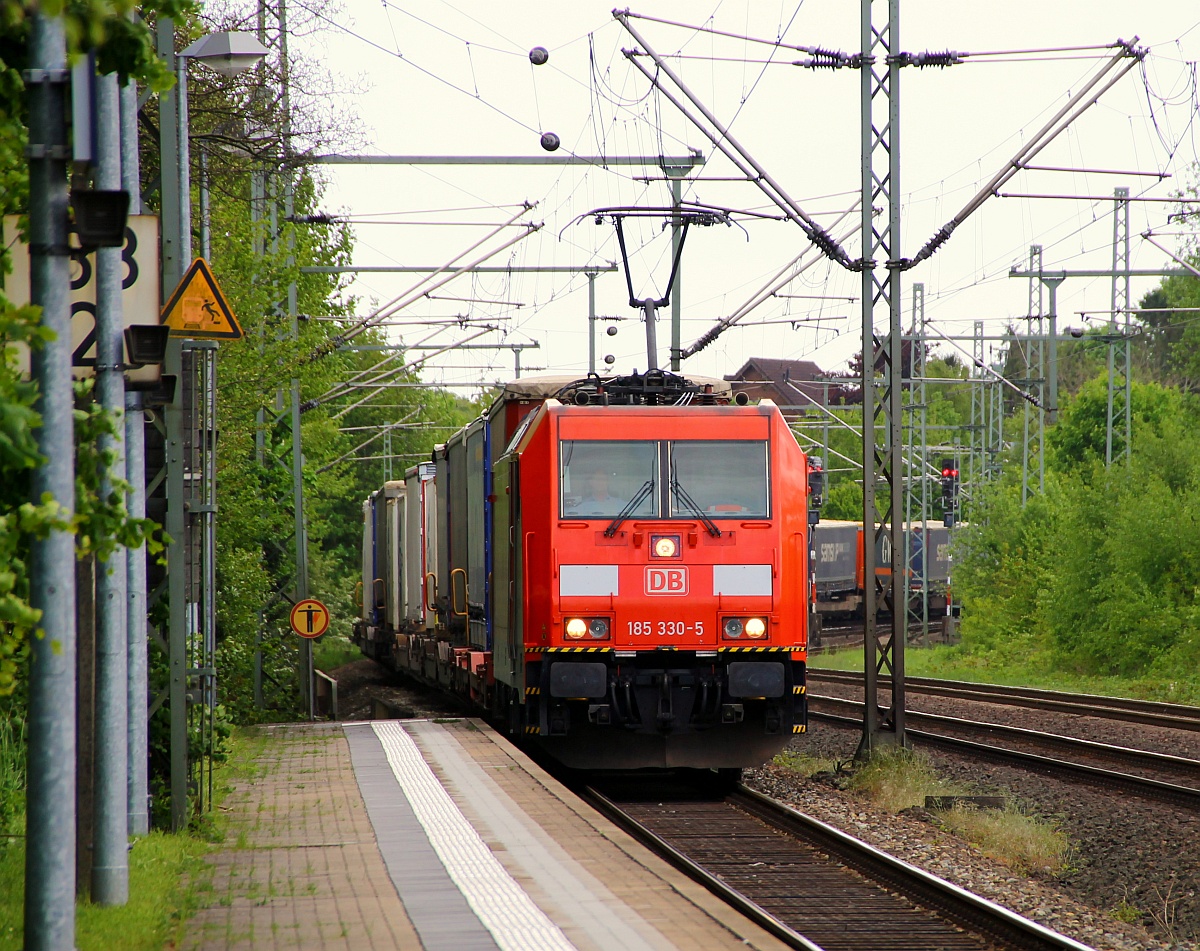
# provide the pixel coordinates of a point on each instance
(301, 868)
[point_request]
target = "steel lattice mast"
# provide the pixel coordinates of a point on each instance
(883, 481)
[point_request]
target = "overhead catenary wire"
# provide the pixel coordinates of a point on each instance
(366, 442)
(557, 289)
(419, 290)
(1076, 105)
(376, 388)
(733, 150)
(785, 275)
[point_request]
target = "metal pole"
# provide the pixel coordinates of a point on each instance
(1034, 362)
(168, 125)
(50, 798)
(978, 423)
(871, 718)
(139, 687)
(1112, 324)
(677, 291)
(301, 529)
(135, 558)
(918, 370)
(882, 523)
(1052, 348)
(183, 158)
(258, 197)
(1120, 302)
(893, 470)
(825, 424)
(176, 241)
(651, 312)
(591, 276)
(205, 224)
(1041, 369)
(110, 850)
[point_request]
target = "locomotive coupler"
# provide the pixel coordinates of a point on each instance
(773, 720)
(666, 714)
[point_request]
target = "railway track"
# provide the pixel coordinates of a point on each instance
(1185, 793)
(811, 885)
(1146, 712)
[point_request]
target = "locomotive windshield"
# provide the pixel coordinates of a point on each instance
(599, 478)
(714, 479)
(721, 479)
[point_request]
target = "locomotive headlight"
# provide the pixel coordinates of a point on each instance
(665, 546)
(755, 627)
(598, 628)
(733, 627)
(576, 628)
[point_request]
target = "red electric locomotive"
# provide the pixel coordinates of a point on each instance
(617, 569)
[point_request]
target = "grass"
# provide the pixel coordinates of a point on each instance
(12, 773)
(160, 900)
(804, 765)
(168, 877)
(331, 651)
(897, 779)
(1024, 843)
(954, 663)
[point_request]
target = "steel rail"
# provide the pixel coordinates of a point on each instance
(976, 915)
(1147, 712)
(965, 908)
(697, 873)
(1145, 758)
(1093, 775)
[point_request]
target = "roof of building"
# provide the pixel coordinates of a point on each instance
(778, 370)
(778, 380)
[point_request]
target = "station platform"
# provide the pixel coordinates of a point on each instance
(439, 836)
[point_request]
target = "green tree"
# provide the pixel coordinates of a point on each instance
(1080, 438)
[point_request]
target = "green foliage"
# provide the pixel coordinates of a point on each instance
(844, 501)
(20, 520)
(12, 771)
(1078, 441)
(122, 44)
(256, 530)
(331, 652)
(1100, 574)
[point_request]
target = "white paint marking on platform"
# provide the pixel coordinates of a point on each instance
(591, 908)
(506, 911)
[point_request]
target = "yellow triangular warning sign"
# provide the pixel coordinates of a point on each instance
(198, 308)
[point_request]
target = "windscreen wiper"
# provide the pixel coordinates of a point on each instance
(682, 494)
(633, 503)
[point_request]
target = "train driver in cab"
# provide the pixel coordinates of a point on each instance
(596, 499)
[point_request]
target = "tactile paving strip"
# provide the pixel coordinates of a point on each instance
(502, 906)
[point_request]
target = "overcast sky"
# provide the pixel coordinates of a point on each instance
(439, 78)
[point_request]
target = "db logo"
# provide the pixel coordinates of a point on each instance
(666, 581)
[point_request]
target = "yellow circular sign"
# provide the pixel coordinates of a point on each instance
(310, 618)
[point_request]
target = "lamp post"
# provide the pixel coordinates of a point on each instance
(229, 54)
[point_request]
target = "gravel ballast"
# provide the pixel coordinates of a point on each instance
(1126, 852)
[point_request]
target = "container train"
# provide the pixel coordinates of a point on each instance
(839, 573)
(616, 570)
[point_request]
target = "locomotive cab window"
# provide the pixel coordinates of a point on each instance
(599, 479)
(720, 479)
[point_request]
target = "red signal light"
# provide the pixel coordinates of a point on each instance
(946, 473)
